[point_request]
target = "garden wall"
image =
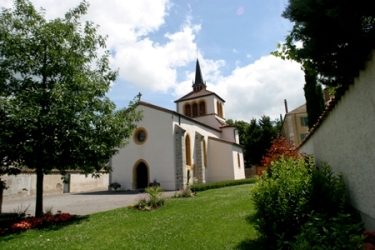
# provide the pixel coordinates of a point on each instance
(25, 184)
(345, 139)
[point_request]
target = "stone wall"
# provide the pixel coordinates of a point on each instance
(345, 140)
(25, 184)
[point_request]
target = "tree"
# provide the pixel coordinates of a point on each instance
(336, 36)
(256, 137)
(314, 98)
(54, 75)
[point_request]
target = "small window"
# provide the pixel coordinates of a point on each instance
(187, 110)
(304, 121)
(202, 108)
(219, 108)
(195, 110)
(140, 136)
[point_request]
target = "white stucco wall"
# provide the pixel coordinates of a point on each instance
(158, 152)
(220, 161)
(346, 141)
(229, 134)
(239, 170)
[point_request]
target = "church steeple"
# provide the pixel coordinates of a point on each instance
(199, 83)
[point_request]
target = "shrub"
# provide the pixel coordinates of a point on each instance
(153, 201)
(325, 232)
(155, 196)
(295, 200)
(281, 200)
(212, 185)
(115, 186)
(184, 193)
(280, 147)
(327, 192)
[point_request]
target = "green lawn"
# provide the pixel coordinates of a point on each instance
(214, 219)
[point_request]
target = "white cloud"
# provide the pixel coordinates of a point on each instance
(154, 66)
(260, 88)
(256, 89)
(140, 60)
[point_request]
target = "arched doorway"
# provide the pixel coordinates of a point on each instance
(141, 176)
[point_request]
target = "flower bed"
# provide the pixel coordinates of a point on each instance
(46, 220)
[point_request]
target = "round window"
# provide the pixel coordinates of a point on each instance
(140, 136)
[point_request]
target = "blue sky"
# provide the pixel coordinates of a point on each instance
(155, 43)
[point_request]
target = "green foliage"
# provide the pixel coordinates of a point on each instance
(220, 184)
(256, 137)
(327, 194)
(155, 196)
(115, 186)
(294, 196)
(54, 75)
(184, 193)
(281, 199)
(337, 37)
(314, 97)
(153, 201)
(324, 232)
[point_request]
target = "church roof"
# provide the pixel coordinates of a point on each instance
(199, 87)
(202, 93)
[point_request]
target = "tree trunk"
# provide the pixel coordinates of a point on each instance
(39, 193)
(1, 196)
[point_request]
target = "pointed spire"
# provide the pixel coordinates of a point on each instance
(199, 83)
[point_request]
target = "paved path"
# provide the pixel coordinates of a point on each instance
(79, 203)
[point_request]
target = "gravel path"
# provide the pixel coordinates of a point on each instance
(79, 203)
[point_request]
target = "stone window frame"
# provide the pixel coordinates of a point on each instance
(137, 133)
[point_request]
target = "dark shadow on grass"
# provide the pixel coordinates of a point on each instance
(252, 244)
(54, 227)
(258, 243)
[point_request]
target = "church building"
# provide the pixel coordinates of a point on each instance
(177, 148)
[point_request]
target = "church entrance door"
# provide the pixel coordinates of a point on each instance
(141, 176)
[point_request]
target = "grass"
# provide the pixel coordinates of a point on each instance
(214, 219)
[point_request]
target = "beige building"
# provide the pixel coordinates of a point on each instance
(295, 126)
(175, 148)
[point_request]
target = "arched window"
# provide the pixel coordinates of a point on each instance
(195, 109)
(202, 108)
(219, 108)
(187, 150)
(187, 110)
